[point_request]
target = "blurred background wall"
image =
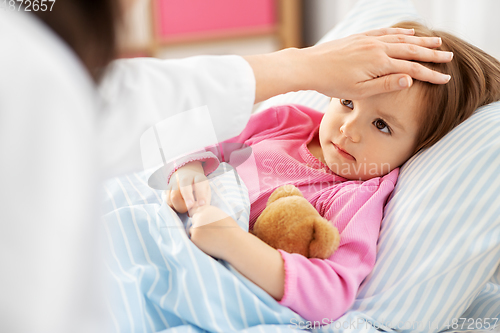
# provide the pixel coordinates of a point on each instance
(180, 28)
(476, 21)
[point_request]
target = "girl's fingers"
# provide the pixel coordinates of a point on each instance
(202, 190)
(177, 201)
(416, 52)
(431, 42)
(418, 71)
(166, 196)
(186, 190)
(187, 195)
(168, 192)
(389, 31)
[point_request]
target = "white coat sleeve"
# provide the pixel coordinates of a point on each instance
(49, 234)
(138, 93)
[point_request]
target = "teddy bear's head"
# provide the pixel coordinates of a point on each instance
(289, 222)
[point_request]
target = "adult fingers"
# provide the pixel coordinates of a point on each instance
(418, 71)
(416, 52)
(385, 84)
(421, 41)
(389, 31)
(202, 190)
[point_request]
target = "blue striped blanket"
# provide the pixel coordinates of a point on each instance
(160, 281)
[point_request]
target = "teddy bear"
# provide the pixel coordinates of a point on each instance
(289, 222)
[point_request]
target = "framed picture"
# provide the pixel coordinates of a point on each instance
(193, 20)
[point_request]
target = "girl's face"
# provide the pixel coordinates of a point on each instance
(362, 139)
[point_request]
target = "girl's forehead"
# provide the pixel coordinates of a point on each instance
(411, 94)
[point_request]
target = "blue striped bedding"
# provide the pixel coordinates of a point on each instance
(160, 281)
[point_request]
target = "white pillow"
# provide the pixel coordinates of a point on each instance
(439, 247)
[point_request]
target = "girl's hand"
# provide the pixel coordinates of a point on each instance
(188, 188)
(213, 231)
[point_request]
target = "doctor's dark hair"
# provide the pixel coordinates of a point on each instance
(88, 27)
(475, 81)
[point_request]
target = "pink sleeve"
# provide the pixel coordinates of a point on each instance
(208, 159)
(283, 121)
(325, 289)
(279, 121)
(260, 126)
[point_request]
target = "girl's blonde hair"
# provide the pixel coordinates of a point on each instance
(475, 81)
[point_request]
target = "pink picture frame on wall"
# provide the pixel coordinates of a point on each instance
(188, 20)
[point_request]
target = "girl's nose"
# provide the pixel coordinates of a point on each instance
(349, 130)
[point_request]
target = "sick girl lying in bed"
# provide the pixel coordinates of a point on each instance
(345, 162)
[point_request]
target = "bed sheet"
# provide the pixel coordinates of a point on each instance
(160, 281)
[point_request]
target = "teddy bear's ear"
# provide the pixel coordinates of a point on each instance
(326, 239)
(282, 192)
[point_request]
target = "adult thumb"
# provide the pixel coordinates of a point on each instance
(387, 83)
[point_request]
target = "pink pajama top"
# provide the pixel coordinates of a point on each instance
(317, 289)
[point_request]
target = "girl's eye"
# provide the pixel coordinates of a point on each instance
(382, 126)
(347, 102)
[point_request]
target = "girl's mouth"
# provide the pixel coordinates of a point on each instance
(344, 154)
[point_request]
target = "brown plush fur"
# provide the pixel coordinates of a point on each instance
(292, 224)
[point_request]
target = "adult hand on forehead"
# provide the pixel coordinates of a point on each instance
(354, 67)
(375, 62)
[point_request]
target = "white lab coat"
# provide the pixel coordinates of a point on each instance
(59, 137)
